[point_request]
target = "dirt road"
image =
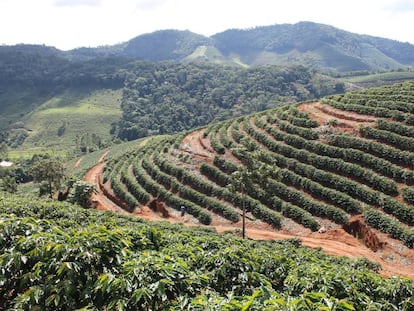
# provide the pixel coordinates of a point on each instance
(394, 258)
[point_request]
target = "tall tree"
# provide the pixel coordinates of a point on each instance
(49, 173)
(8, 183)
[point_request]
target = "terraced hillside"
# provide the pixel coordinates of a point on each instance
(344, 162)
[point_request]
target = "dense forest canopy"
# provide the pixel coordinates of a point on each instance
(43, 68)
(160, 98)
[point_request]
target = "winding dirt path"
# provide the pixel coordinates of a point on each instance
(393, 258)
(101, 202)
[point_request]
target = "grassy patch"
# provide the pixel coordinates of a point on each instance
(16, 102)
(58, 123)
(378, 77)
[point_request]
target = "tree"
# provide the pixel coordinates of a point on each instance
(8, 183)
(49, 173)
(245, 180)
(81, 192)
(240, 180)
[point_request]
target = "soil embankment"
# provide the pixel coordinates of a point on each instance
(394, 259)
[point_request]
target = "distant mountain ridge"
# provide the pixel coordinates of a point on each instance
(318, 46)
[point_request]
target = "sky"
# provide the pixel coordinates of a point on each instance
(68, 24)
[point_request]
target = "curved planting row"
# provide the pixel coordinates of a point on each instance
(296, 117)
(376, 198)
(264, 197)
(377, 102)
(297, 147)
(276, 164)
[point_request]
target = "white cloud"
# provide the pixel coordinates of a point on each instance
(401, 6)
(149, 5)
(77, 2)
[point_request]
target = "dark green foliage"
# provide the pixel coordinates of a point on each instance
(361, 109)
(282, 191)
(317, 174)
(293, 129)
(80, 193)
(389, 225)
(296, 117)
(61, 257)
(48, 69)
(4, 150)
(282, 169)
(399, 141)
(215, 143)
(158, 191)
(395, 127)
(61, 130)
(133, 187)
(326, 162)
(161, 98)
(401, 211)
(408, 195)
(392, 154)
(8, 184)
(119, 188)
(190, 194)
(49, 173)
(251, 202)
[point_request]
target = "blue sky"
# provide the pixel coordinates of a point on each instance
(68, 24)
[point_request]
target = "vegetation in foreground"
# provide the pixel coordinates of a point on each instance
(57, 256)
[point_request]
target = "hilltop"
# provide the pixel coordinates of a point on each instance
(318, 46)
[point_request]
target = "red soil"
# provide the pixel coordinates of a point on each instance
(347, 121)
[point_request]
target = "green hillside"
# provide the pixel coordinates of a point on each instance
(319, 46)
(173, 80)
(285, 167)
(60, 122)
(56, 256)
(53, 109)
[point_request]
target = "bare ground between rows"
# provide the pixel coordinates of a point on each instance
(394, 258)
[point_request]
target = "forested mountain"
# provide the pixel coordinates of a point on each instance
(311, 44)
(174, 80)
(316, 45)
(47, 67)
(155, 97)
